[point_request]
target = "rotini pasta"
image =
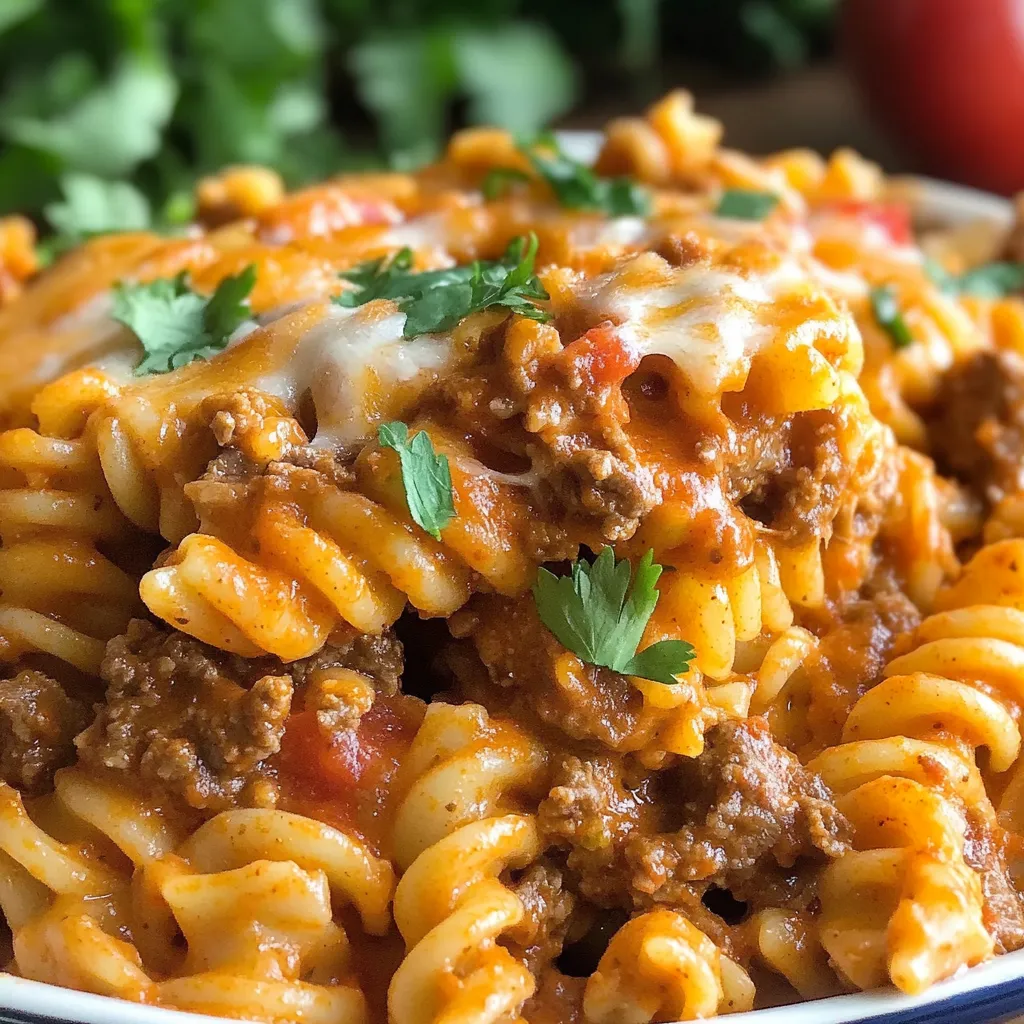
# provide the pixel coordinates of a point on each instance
(514, 591)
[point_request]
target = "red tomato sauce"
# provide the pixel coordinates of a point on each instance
(601, 356)
(344, 778)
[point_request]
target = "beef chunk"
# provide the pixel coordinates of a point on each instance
(548, 907)
(1003, 910)
(38, 722)
(528, 677)
(198, 722)
(593, 809)
(752, 807)
(793, 473)
(976, 430)
(606, 485)
(589, 804)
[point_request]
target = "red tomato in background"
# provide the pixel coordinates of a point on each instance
(946, 78)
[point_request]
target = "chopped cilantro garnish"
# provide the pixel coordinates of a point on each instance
(575, 185)
(436, 300)
(425, 476)
(993, 280)
(498, 180)
(890, 319)
(600, 611)
(746, 204)
(176, 325)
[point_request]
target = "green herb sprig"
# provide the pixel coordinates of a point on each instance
(436, 300)
(993, 280)
(176, 325)
(426, 476)
(575, 185)
(887, 312)
(600, 611)
(746, 204)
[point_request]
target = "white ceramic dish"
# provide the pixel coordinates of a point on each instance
(993, 992)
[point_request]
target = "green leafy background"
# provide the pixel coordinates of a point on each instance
(110, 108)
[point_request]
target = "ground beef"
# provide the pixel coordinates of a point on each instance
(557, 1000)
(38, 722)
(849, 659)
(594, 807)
(984, 850)
(793, 474)
(528, 677)
(750, 807)
(548, 906)
(604, 484)
(198, 722)
(976, 427)
(590, 805)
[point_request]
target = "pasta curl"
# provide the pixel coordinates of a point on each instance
(253, 892)
(66, 548)
(318, 555)
(450, 835)
(660, 967)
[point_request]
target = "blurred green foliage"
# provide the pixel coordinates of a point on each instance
(109, 108)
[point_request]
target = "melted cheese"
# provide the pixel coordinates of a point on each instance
(709, 321)
(360, 371)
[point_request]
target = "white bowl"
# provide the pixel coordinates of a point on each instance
(987, 994)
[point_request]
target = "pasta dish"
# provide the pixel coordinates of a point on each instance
(517, 590)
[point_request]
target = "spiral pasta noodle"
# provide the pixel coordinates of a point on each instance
(64, 592)
(337, 555)
(909, 747)
(659, 966)
(547, 593)
(453, 842)
(268, 879)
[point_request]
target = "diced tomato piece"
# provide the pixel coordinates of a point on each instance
(342, 777)
(892, 218)
(602, 357)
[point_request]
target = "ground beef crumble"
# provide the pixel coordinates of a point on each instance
(198, 722)
(742, 813)
(976, 429)
(522, 676)
(753, 806)
(547, 908)
(38, 722)
(984, 850)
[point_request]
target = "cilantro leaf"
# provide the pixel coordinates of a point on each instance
(228, 306)
(499, 180)
(890, 319)
(111, 129)
(746, 204)
(176, 325)
(436, 300)
(577, 187)
(600, 612)
(993, 280)
(426, 477)
(92, 206)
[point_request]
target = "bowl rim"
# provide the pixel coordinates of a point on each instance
(936, 200)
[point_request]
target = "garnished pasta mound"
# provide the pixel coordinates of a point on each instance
(515, 591)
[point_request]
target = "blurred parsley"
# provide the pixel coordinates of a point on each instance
(148, 94)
